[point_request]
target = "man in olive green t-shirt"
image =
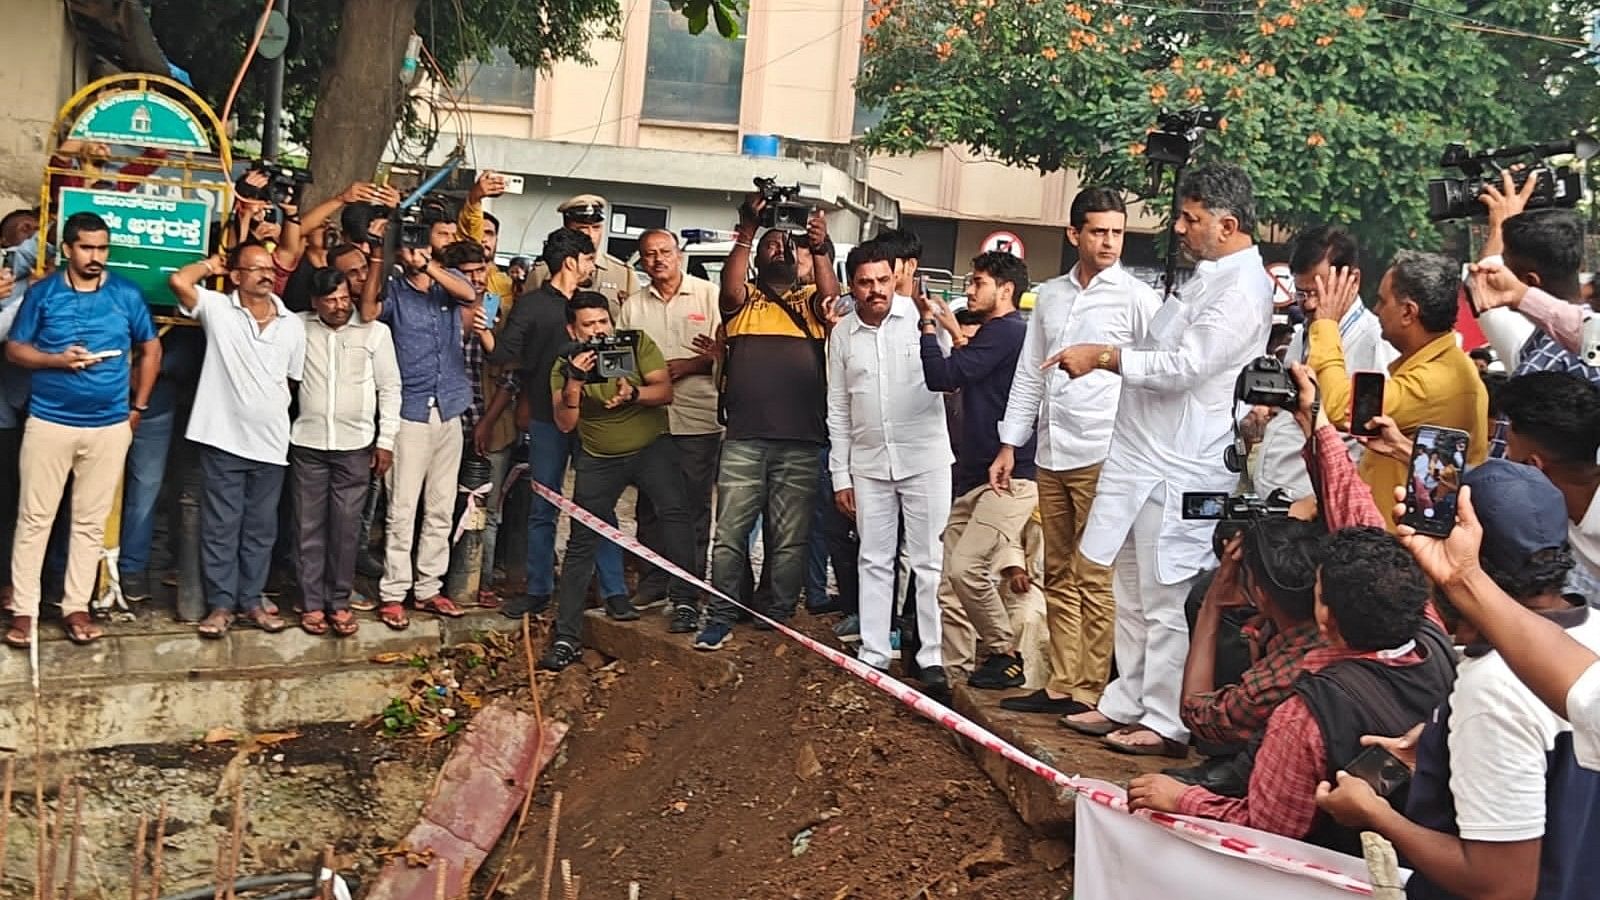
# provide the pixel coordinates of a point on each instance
(622, 429)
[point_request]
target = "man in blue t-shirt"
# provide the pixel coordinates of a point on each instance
(78, 330)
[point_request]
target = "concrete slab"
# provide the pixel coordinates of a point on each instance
(1037, 802)
(648, 640)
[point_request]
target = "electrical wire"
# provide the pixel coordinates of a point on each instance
(250, 54)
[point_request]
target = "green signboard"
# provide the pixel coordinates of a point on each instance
(141, 119)
(151, 237)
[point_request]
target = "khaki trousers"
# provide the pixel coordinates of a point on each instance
(1079, 607)
(982, 526)
(50, 452)
(422, 481)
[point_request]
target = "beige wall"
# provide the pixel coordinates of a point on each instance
(38, 73)
(800, 61)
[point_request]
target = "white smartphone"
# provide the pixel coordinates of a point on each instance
(513, 183)
(105, 354)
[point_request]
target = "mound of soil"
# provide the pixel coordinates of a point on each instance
(798, 781)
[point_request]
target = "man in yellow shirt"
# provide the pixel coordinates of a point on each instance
(1432, 383)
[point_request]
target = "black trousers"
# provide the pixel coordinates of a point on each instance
(698, 455)
(597, 484)
(238, 524)
(330, 487)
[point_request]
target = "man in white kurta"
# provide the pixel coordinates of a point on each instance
(889, 457)
(1174, 422)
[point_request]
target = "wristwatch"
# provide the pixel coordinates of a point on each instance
(925, 323)
(1103, 361)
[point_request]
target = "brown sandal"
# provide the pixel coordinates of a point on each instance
(215, 624)
(344, 623)
(488, 599)
(440, 605)
(80, 629)
(394, 616)
(1092, 729)
(20, 632)
(314, 622)
(264, 620)
(1165, 747)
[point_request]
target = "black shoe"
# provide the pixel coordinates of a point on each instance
(642, 601)
(934, 683)
(135, 586)
(559, 655)
(685, 620)
(998, 672)
(620, 609)
(829, 605)
(1225, 776)
(525, 605)
(369, 565)
(1040, 702)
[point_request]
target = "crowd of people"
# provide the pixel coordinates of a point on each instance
(944, 462)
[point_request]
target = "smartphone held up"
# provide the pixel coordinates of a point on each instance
(1438, 459)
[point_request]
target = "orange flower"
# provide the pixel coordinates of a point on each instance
(1316, 139)
(1205, 63)
(954, 31)
(978, 18)
(1268, 28)
(1049, 53)
(1194, 94)
(869, 43)
(1230, 70)
(1356, 12)
(1126, 20)
(1235, 93)
(944, 50)
(1177, 64)
(1286, 21)
(1266, 70)
(1136, 46)
(1136, 149)
(1158, 92)
(1245, 58)
(1222, 125)
(1325, 40)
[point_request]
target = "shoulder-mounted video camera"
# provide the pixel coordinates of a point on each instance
(416, 221)
(285, 184)
(1222, 507)
(1554, 186)
(615, 356)
(782, 211)
(1178, 134)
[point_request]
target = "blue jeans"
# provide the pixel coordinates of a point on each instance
(549, 451)
(147, 466)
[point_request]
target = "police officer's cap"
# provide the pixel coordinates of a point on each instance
(586, 208)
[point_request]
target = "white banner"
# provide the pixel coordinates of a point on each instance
(1126, 857)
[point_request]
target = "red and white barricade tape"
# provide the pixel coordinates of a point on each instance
(1193, 830)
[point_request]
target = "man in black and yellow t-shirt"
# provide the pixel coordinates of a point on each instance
(622, 429)
(774, 395)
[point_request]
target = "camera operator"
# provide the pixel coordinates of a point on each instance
(1173, 422)
(532, 339)
(773, 401)
(1498, 804)
(1432, 382)
(422, 307)
(622, 429)
(1316, 253)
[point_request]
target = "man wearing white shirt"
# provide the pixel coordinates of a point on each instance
(254, 348)
(1317, 252)
(349, 415)
(1174, 421)
(889, 456)
(1098, 301)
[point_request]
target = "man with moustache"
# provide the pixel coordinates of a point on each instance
(889, 456)
(254, 348)
(1173, 421)
(78, 330)
(679, 313)
(1098, 300)
(351, 382)
(586, 214)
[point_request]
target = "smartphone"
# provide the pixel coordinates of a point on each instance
(1591, 339)
(1438, 458)
(105, 354)
(1466, 288)
(1366, 400)
(513, 183)
(1381, 769)
(922, 285)
(1204, 504)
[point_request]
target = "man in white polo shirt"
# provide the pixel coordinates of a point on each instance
(254, 347)
(679, 312)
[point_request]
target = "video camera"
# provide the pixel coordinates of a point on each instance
(1264, 381)
(782, 210)
(614, 356)
(1554, 186)
(1179, 134)
(418, 220)
(1233, 512)
(285, 184)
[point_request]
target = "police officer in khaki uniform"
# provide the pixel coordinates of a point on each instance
(612, 277)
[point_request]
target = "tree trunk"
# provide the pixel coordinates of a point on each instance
(361, 94)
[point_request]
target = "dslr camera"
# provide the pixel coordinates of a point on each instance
(1456, 197)
(1266, 382)
(782, 211)
(614, 357)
